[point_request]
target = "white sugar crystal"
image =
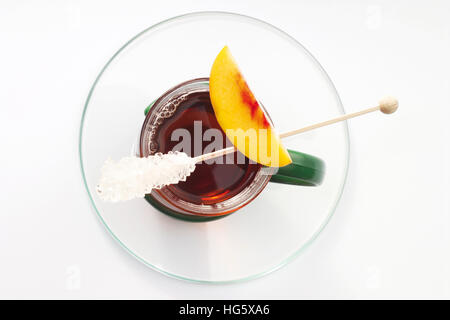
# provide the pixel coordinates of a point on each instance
(133, 177)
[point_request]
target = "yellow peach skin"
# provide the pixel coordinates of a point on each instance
(241, 117)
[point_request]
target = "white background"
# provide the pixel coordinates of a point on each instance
(390, 235)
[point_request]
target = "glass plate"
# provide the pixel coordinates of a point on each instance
(295, 90)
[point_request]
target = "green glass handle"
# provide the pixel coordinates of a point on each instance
(305, 169)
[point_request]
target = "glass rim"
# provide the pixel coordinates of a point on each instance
(226, 207)
(279, 32)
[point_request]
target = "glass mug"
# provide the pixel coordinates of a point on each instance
(220, 186)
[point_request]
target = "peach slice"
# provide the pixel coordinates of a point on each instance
(240, 115)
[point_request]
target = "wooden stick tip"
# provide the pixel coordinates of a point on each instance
(388, 105)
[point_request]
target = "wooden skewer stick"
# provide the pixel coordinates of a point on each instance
(215, 154)
(386, 105)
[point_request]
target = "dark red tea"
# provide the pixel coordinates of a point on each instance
(209, 183)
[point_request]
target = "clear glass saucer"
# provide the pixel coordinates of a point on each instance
(296, 91)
